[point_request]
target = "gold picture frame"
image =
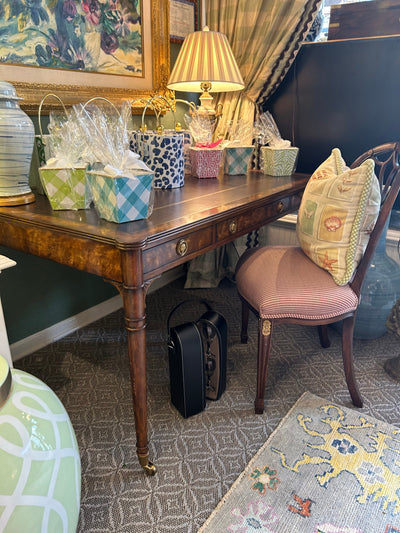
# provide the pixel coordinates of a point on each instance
(33, 83)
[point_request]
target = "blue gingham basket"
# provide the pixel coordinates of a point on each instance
(237, 159)
(121, 199)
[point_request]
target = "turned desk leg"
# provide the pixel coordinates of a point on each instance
(135, 327)
(133, 296)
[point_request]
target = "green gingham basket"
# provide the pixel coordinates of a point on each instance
(66, 188)
(237, 159)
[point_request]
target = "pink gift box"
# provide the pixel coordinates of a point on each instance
(205, 162)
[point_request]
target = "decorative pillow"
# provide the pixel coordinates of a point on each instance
(338, 211)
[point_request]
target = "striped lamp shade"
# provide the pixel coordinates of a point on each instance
(205, 56)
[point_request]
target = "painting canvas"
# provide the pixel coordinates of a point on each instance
(103, 36)
(80, 49)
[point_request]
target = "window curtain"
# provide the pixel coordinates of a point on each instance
(265, 36)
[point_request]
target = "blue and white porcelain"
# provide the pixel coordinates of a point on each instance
(16, 143)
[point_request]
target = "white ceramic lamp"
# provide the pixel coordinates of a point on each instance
(206, 64)
(17, 136)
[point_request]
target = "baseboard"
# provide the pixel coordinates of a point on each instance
(57, 331)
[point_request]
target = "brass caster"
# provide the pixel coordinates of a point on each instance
(150, 469)
(147, 465)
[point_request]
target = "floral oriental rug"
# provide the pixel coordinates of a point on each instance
(325, 469)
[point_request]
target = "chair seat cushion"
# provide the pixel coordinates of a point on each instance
(282, 282)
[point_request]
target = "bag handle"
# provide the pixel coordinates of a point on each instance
(192, 105)
(101, 98)
(150, 102)
(204, 302)
(91, 119)
(40, 111)
(192, 110)
(157, 113)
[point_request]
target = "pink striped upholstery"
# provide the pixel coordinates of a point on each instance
(282, 282)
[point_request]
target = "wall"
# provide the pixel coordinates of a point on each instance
(340, 93)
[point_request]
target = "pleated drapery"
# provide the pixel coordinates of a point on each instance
(265, 36)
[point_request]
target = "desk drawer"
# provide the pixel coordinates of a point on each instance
(257, 218)
(177, 248)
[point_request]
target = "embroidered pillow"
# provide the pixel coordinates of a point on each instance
(338, 211)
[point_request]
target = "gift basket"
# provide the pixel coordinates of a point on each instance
(205, 156)
(279, 158)
(41, 151)
(239, 149)
(161, 150)
(186, 134)
(120, 183)
(63, 176)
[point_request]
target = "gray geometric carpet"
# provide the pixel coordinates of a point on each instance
(197, 458)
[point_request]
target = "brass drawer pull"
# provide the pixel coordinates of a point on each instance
(281, 207)
(232, 226)
(182, 247)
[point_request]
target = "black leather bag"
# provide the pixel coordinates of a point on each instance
(197, 354)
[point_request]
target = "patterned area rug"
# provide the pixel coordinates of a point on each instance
(325, 469)
(198, 458)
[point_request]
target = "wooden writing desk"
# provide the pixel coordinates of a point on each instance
(186, 222)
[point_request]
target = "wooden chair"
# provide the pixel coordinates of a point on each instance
(282, 285)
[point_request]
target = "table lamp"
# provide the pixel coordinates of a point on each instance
(205, 64)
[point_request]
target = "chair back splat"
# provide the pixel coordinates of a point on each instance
(387, 170)
(319, 282)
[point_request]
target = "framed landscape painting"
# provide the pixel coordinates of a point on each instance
(79, 49)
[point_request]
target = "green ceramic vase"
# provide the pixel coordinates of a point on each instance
(40, 480)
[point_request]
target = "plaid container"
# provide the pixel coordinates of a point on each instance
(66, 188)
(237, 159)
(122, 199)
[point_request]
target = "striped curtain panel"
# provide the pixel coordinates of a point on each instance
(265, 36)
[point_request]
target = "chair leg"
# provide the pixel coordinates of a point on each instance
(264, 347)
(245, 322)
(323, 336)
(347, 353)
